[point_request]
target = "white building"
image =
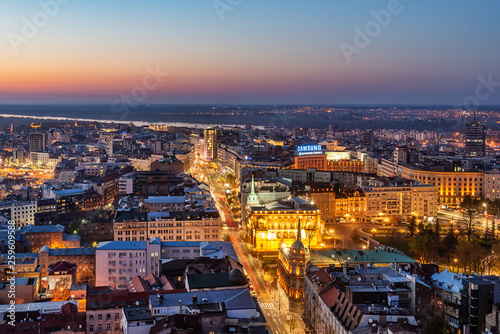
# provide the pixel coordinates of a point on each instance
(22, 213)
(126, 184)
(120, 261)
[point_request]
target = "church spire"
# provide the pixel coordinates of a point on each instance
(299, 236)
(253, 198)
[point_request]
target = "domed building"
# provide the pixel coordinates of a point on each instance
(292, 266)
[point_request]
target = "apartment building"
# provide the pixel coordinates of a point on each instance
(83, 257)
(130, 226)
(389, 201)
(121, 261)
(184, 226)
(22, 213)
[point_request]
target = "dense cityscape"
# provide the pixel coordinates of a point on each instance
(111, 228)
(249, 167)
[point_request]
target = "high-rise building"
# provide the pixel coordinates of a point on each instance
(475, 139)
(38, 142)
(400, 156)
(368, 139)
(210, 144)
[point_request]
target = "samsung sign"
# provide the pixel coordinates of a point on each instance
(309, 149)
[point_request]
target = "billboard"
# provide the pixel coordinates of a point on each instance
(338, 155)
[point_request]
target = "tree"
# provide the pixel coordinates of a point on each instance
(412, 225)
(437, 229)
(449, 244)
(469, 222)
(424, 247)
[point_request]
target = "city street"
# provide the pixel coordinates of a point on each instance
(270, 301)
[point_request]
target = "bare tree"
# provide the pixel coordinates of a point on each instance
(469, 222)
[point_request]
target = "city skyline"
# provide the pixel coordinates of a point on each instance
(242, 52)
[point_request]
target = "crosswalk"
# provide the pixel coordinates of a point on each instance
(267, 306)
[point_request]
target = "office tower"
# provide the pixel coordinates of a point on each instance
(210, 144)
(400, 156)
(475, 139)
(368, 139)
(38, 142)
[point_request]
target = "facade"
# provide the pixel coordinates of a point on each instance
(276, 223)
(22, 213)
(492, 186)
(84, 258)
(323, 195)
(121, 261)
(38, 142)
(210, 141)
(184, 226)
(384, 203)
(451, 186)
(126, 184)
(475, 139)
(130, 226)
(52, 236)
(329, 161)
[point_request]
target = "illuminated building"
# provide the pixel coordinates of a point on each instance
(83, 257)
(272, 225)
(323, 195)
(185, 226)
(350, 206)
(386, 202)
(492, 186)
(210, 144)
(475, 139)
(451, 186)
(312, 156)
(49, 235)
(292, 264)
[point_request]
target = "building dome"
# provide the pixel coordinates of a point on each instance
(298, 248)
(237, 277)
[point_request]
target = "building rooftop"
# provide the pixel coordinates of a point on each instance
(43, 308)
(323, 257)
(234, 299)
(68, 251)
(42, 229)
(165, 199)
(137, 313)
(112, 245)
(69, 192)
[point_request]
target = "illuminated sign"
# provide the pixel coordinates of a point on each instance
(309, 150)
(338, 156)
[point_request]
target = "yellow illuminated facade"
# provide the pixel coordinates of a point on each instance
(270, 229)
(451, 186)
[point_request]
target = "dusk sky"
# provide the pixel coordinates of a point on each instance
(262, 52)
